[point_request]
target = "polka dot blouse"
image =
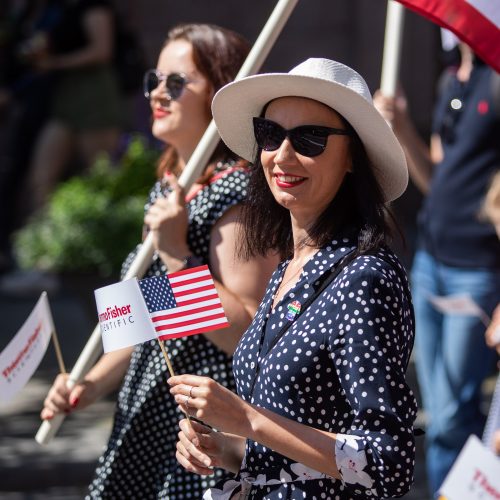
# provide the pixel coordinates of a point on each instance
(340, 367)
(139, 461)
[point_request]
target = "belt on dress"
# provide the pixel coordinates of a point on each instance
(240, 487)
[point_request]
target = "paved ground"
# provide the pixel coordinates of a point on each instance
(61, 470)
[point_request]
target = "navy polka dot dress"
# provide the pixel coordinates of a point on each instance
(139, 461)
(339, 367)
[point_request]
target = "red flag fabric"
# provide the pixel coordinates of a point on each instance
(476, 22)
(183, 303)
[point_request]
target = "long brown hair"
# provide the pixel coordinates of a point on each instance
(357, 209)
(218, 54)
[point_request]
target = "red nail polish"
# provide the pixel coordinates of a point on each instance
(74, 402)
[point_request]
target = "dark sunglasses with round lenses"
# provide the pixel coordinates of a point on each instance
(307, 140)
(174, 83)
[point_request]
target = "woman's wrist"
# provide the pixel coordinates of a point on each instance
(179, 260)
(233, 450)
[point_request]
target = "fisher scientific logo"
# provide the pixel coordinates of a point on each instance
(116, 317)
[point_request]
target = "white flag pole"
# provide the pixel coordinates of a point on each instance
(392, 48)
(191, 172)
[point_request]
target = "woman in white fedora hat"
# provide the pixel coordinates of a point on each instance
(323, 409)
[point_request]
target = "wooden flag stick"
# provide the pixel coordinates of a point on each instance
(191, 172)
(171, 371)
(167, 359)
(57, 347)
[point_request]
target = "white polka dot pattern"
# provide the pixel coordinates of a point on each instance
(340, 367)
(139, 461)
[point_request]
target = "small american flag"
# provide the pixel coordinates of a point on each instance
(183, 303)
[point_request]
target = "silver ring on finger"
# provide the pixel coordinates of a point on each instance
(191, 391)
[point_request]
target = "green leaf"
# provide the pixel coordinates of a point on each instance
(91, 222)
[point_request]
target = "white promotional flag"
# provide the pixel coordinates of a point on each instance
(21, 357)
(123, 315)
(458, 304)
(475, 475)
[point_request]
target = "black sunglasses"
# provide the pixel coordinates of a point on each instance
(307, 140)
(174, 83)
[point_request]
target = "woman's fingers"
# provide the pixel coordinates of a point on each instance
(194, 430)
(189, 466)
(82, 395)
(189, 455)
(180, 381)
(191, 451)
(57, 402)
(46, 414)
(61, 399)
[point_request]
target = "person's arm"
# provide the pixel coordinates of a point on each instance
(378, 436)
(217, 406)
(241, 284)
(421, 158)
(200, 448)
(103, 378)
(99, 29)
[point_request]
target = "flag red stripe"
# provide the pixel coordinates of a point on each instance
(194, 290)
(199, 330)
(185, 313)
(199, 299)
(189, 271)
(190, 281)
(191, 323)
(466, 22)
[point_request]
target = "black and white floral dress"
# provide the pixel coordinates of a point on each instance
(339, 367)
(139, 461)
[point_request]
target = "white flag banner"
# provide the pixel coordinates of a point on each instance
(458, 304)
(123, 315)
(21, 357)
(475, 475)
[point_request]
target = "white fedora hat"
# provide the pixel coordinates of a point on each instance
(323, 80)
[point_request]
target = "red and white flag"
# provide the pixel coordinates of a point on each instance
(476, 22)
(21, 357)
(183, 303)
(171, 306)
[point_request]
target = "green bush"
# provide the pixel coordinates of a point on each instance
(91, 222)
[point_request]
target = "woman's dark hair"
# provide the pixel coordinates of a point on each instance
(358, 208)
(218, 54)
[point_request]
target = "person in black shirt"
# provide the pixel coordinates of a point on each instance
(458, 252)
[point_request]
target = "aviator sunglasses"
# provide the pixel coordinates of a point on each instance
(307, 140)
(174, 83)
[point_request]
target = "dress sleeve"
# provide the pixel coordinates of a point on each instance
(226, 191)
(369, 349)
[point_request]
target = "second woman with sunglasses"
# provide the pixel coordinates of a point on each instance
(198, 227)
(323, 409)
